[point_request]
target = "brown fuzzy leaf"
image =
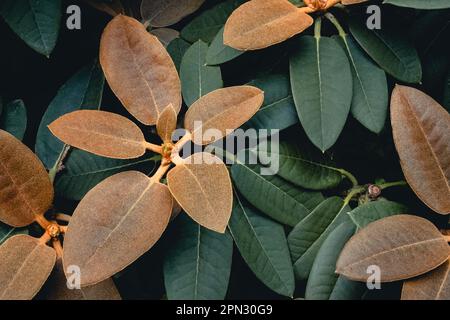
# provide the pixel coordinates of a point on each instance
(139, 70)
(116, 222)
(224, 110)
(113, 8)
(25, 265)
(56, 288)
(163, 13)
(259, 24)
(402, 246)
(202, 187)
(167, 123)
(103, 133)
(434, 285)
(166, 35)
(421, 129)
(25, 188)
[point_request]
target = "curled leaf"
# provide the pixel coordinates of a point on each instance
(401, 246)
(431, 286)
(102, 133)
(116, 222)
(218, 113)
(138, 69)
(25, 188)
(26, 264)
(163, 13)
(202, 187)
(259, 24)
(167, 123)
(421, 128)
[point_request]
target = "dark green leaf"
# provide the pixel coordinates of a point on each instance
(14, 119)
(198, 79)
(35, 21)
(198, 263)
(7, 232)
(420, 4)
(219, 53)
(262, 243)
(177, 48)
(321, 82)
(375, 210)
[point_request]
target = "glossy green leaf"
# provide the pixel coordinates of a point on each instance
(7, 232)
(198, 263)
(420, 4)
(262, 243)
(14, 118)
(83, 171)
(308, 235)
(323, 283)
(176, 49)
(83, 91)
(273, 195)
(278, 110)
(304, 166)
(205, 26)
(321, 82)
(198, 79)
(219, 53)
(375, 210)
(370, 91)
(35, 21)
(390, 49)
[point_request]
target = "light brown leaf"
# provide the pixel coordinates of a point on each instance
(259, 24)
(165, 35)
(116, 222)
(25, 188)
(421, 129)
(138, 69)
(202, 187)
(103, 133)
(222, 110)
(434, 285)
(25, 265)
(113, 8)
(402, 246)
(167, 123)
(163, 13)
(56, 288)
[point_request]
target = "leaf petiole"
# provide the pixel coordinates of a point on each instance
(392, 184)
(318, 27)
(336, 23)
(59, 163)
(349, 176)
(153, 147)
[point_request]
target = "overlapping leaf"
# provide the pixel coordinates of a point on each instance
(219, 53)
(167, 123)
(163, 13)
(419, 4)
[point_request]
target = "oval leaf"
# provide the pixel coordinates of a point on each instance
(420, 4)
(259, 24)
(26, 265)
(167, 123)
(106, 235)
(102, 133)
(413, 243)
(222, 111)
(321, 83)
(165, 35)
(26, 190)
(14, 118)
(139, 70)
(196, 256)
(202, 187)
(163, 13)
(372, 211)
(219, 53)
(421, 128)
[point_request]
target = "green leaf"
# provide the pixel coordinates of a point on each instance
(14, 119)
(219, 53)
(308, 235)
(370, 90)
(262, 243)
(7, 232)
(35, 21)
(83, 91)
(273, 195)
(390, 49)
(278, 110)
(198, 263)
(375, 210)
(198, 79)
(321, 82)
(420, 4)
(83, 171)
(176, 49)
(206, 26)
(303, 166)
(323, 282)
